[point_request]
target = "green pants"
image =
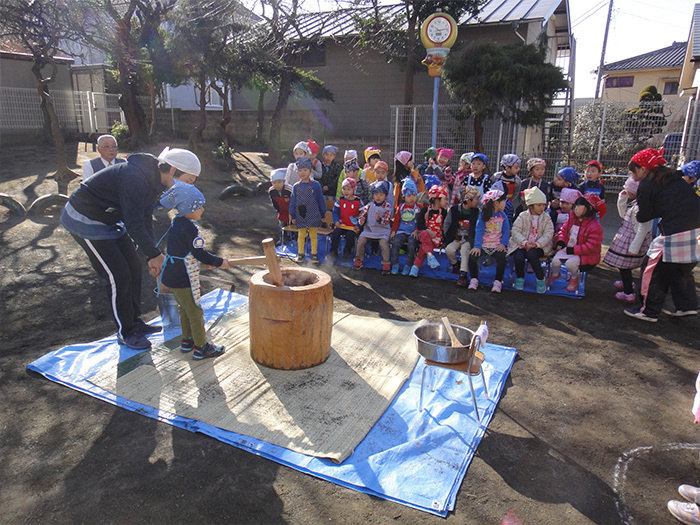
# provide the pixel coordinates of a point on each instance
(191, 316)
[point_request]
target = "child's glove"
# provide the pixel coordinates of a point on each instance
(560, 245)
(570, 251)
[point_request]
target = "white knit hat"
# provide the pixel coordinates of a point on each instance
(182, 159)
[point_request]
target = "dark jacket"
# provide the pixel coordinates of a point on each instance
(126, 192)
(458, 218)
(676, 204)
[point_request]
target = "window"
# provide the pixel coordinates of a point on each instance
(313, 56)
(670, 88)
(619, 82)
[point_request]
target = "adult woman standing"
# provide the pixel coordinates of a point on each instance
(674, 253)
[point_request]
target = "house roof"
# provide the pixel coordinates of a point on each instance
(666, 58)
(341, 23)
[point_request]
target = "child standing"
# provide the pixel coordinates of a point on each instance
(560, 215)
(535, 168)
(580, 240)
(345, 214)
(631, 242)
(280, 195)
(376, 218)
(492, 235)
(455, 182)
(403, 169)
(593, 184)
(460, 228)
(510, 182)
(478, 177)
(316, 169)
(403, 227)
(429, 224)
(300, 150)
(307, 208)
(181, 270)
(349, 154)
(531, 238)
(330, 171)
(372, 156)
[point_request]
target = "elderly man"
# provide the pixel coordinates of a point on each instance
(108, 149)
(117, 201)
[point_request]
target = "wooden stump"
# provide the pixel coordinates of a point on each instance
(291, 325)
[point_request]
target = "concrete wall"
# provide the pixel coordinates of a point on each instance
(16, 71)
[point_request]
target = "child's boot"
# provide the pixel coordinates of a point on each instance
(314, 258)
(386, 268)
(406, 270)
(208, 350)
(519, 283)
(414, 271)
(300, 256)
(394, 269)
(552, 277)
(358, 264)
(462, 281)
(432, 261)
(474, 283)
(497, 286)
(573, 284)
(541, 286)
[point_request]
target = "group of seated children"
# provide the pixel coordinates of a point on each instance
(466, 212)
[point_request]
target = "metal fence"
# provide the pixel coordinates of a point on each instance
(610, 132)
(79, 111)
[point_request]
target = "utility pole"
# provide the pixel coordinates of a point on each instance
(602, 52)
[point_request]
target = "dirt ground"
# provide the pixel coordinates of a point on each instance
(594, 425)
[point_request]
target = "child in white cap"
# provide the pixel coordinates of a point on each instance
(280, 195)
(300, 150)
(186, 164)
(531, 238)
(181, 270)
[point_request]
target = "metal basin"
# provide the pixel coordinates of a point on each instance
(433, 343)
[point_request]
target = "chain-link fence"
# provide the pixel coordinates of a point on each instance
(610, 132)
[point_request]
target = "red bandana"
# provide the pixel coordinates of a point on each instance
(649, 158)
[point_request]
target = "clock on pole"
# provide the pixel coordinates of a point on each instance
(438, 34)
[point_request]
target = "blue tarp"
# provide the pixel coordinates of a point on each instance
(486, 273)
(411, 457)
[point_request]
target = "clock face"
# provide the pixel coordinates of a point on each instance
(439, 29)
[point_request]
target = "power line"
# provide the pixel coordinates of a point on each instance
(655, 21)
(588, 13)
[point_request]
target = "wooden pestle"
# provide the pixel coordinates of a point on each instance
(273, 264)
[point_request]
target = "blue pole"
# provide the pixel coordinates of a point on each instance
(435, 111)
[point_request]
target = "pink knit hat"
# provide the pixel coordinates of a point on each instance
(445, 152)
(569, 195)
(403, 157)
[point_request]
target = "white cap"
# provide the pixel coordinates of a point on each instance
(182, 159)
(278, 174)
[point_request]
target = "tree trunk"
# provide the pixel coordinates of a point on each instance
(261, 116)
(63, 174)
(410, 61)
(478, 135)
(225, 113)
(285, 91)
(197, 134)
(152, 95)
(126, 64)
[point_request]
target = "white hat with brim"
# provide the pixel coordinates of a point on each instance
(182, 159)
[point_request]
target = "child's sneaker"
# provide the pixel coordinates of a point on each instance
(358, 264)
(406, 270)
(462, 281)
(386, 269)
(519, 283)
(414, 271)
(455, 267)
(573, 284)
(497, 287)
(314, 258)
(394, 269)
(186, 345)
(300, 257)
(541, 286)
(619, 286)
(625, 297)
(208, 350)
(552, 277)
(474, 283)
(432, 261)
(689, 492)
(688, 513)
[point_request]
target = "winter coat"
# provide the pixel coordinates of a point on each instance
(520, 231)
(589, 241)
